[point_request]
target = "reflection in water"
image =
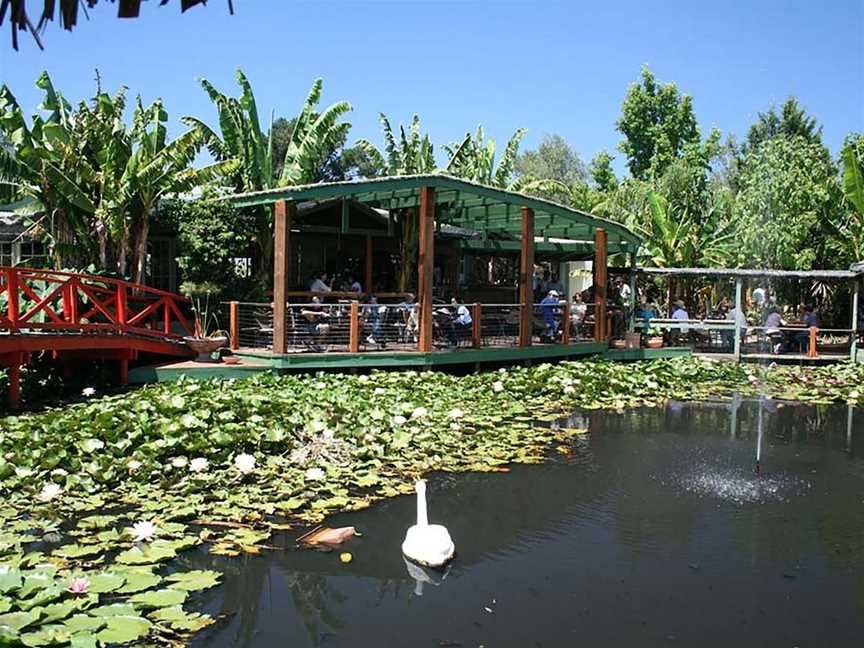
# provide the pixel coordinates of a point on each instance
(653, 529)
(422, 575)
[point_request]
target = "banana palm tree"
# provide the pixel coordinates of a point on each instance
(474, 159)
(849, 234)
(411, 154)
(241, 138)
(158, 167)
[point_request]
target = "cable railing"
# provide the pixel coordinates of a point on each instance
(724, 336)
(368, 327)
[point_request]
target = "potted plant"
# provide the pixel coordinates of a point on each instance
(653, 338)
(207, 337)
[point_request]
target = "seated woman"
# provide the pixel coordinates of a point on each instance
(578, 310)
(374, 318)
(460, 325)
(314, 318)
(773, 322)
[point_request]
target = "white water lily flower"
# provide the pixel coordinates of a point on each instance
(317, 426)
(456, 413)
(328, 434)
(179, 462)
(497, 386)
(454, 425)
(198, 464)
(315, 474)
(320, 385)
(854, 394)
(144, 531)
(134, 465)
(569, 390)
(399, 420)
(364, 378)
(50, 491)
(419, 412)
(244, 463)
(379, 390)
(502, 370)
(88, 391)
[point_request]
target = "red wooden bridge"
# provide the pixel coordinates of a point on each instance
(78, 316)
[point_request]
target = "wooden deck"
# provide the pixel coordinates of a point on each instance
(256, 361)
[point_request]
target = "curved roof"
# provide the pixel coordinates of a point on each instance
(464, 204)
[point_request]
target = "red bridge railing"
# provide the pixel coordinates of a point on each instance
(40, 300)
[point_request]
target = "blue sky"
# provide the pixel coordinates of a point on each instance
(553, 67)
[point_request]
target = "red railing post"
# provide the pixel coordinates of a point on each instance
(811, 349)
(121, 307)
(72, 290)
(12, 306)
(166, 315)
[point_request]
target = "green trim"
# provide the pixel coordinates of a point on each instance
(167, 373)
(625, 355)
(451, 193)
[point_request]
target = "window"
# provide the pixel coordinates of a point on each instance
(6, 256)
(32, 254)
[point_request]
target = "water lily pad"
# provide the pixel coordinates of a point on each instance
(138, 581)
(159, 598)
(17, 621)
(84, 623)
(123, 629)
(105, 582)
(193, 580)
(179, 619)
(10, 579)
(114, 609)
(46, 635)
(58, 611)
(74, 551)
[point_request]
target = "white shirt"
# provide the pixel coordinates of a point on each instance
(463, 315)
(356, 287)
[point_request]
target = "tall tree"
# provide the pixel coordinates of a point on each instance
(311, 141)
(602, 173)
(849, 230)
(657, 123)
(791, 121)
(788, 194)
(553, 159)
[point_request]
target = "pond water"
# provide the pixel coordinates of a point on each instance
(654, 530)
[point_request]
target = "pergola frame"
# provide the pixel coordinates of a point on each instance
(506, 220)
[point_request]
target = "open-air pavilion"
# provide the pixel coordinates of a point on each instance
(455, 220)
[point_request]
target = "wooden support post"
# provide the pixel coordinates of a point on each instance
(631, 319)
(600, 280)
(282, 217)
(425, 266)
(476, 326)
(853, 346)
(526, 279)
(739, 316)
(367, 279)
(811, 347)
(565, 323)
(124, 371)
(233, 326)
(166, 316)
(354, 328)
(12, 304)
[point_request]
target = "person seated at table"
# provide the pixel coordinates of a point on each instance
(374, 313)
(679, 312)
(460, 324)
(314, 322)
(578, 311)
(319, 283)
(810, 319)
(353, 285)
(549, 306)
(773, 322)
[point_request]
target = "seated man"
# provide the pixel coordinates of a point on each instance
(319, 283)
(550, 307)
(810, 320)
(374, 313)
(315, 323)
(772, 329)
(460, 325)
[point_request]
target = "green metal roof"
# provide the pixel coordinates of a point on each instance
(464, 204)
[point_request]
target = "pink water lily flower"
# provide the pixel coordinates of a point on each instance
(79, 585)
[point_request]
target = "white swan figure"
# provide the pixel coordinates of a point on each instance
(427, 544)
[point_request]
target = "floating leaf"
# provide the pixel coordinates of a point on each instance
(159, 598)
(17, 621)
(179, 619)
(105, 582)
(193, 580)
(139, 580)
(84, 623)
(10, 579)
(114, 609)
(123, 629)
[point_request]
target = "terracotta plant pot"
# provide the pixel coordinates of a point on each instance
(654, 342)
(204, 347)
(619, 344)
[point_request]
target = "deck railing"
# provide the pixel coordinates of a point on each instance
(362, 327)
(719, 336)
